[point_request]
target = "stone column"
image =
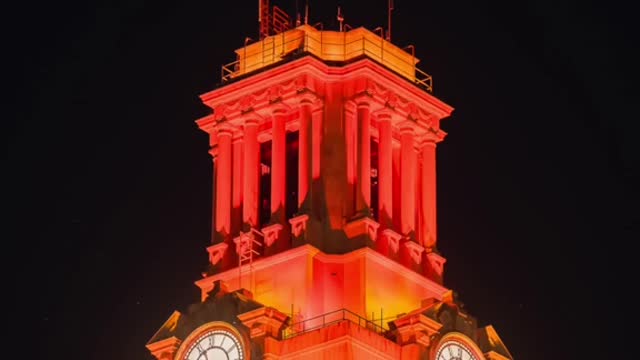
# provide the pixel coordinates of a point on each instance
(428, 178)
(223, 183)
(363, 183)
(278, 166)
(238, 184)
(385, 171)
(214, 163)
(407, 180)
(304, 154)
(250, 208)
(350, 140)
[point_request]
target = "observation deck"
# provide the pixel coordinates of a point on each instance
(331, 46)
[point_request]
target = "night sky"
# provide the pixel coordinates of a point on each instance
(108, 179)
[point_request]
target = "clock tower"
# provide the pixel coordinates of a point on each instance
(324, 237)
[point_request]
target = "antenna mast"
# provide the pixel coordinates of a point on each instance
(340, 18)
(263, 18)
(389, 20)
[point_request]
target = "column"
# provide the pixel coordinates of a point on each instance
(428, 185)
(385, 171)
(317, 117)
(363, 184)
(238, 185)
(304, 154)
(223, 183)
(214, 155)
(250, 208)
(350, 133)
(407, 180)
(278, 166)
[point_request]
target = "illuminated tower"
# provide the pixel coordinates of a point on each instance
(324, 246)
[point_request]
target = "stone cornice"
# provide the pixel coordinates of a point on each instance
(309, 250)
(303, 75)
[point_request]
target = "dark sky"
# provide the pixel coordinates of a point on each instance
(108, 180)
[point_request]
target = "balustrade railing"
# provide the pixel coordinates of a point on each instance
(328, 319)
(274, 49)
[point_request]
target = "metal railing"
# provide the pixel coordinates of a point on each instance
(274, 51)
(330, 318)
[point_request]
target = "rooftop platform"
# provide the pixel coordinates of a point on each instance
(330, 46)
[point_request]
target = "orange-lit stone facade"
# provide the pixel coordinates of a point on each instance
(325, 206)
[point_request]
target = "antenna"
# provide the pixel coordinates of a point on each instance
(306, 12)
(340, 18)
(263, 18)
(389, 20)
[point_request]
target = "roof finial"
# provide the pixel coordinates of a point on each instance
(306, 13)
(389, 20)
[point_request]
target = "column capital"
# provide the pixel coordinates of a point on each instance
(225, 130)
(363, 103)
(431, 138)
(307, 98)
(350, 106)
(407, 127)
(363, 100)
(279, 108)
(213, 151)
(428, 140)
(250, 118)
(384, 114)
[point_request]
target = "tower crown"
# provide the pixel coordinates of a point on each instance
(324, 218)
(330, 46)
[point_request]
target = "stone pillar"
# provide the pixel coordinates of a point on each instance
(407, 180)
(223, 183)
(214, 163)
(304, 154)
(250, 208)
(278, 166)
(385, 171)
(350, 134)
(238, 185)
(428, 178)
(363, 183)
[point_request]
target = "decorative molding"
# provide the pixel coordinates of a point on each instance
(391, 100)
(263, 321)
(216, 252)
(271, 233)
(417, 328)
(299, 224)
(439, 292)
(437, 262)
(363, 225)
(393, 239)
(275, 93)
(301, 75)
(246, 103)
(415, 251)
(243, 241)
(164, 349)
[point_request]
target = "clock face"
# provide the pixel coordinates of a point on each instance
(454, 350)
(216, 345)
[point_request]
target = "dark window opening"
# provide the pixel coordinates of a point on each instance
(292, 175)
(374, 181)
(265, 182)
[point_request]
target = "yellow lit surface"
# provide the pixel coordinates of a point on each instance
(327, 45)
(315, 283)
